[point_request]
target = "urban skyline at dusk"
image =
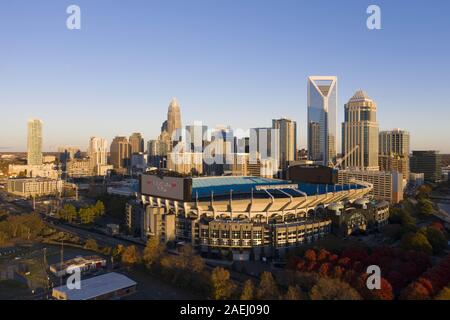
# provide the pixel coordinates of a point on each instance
(228, 157)
(245, 79)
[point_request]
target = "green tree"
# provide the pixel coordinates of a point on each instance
(222, 286)
(69, 213)
(425, 206)
(248, 290)
(91, 244)
(400, 216)
(333, 289)
(99, 208)
(153, 252)
(417, 242)
(437, 239)
(268, 289)
(131, 256)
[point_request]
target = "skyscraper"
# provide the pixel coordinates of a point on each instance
(394, 151)
(322, 120)
(394, 142)
(137, 143)
(360, 133)
(120, 154)
(173, 117)
(34, 144)
(287, 141)
(98, 153)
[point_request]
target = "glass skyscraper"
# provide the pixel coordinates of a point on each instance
(322, 121)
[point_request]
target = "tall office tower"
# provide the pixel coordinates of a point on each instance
(287, 141)
(322, 119)
(427, 162)
(261, 142)
(173, 117)
(98, 153)
(157, 153)
(120, 154)
(197, 136)
(34, 145)
(360, 133)
(394, 142)
(137, 143)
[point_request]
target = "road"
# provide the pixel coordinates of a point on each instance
(102, 239)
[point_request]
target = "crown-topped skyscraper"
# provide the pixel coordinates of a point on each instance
(173, 117)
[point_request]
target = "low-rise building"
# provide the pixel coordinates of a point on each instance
(361, 216)
(84, 264)
(48, 170)
(34, 187)
(107, 286)
(79, 168)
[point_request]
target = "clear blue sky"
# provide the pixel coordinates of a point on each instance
(234, 62)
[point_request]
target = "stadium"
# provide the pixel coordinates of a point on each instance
(251, 217)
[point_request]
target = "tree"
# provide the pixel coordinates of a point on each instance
(293, 293)
(425, 206)
(268, 289)
(333, 289)
(417, 242)
(153, 252)
(437, 239)
(131, 255)
(91, 244)
(222, 286)
(401, 216)
(415, 291)
(444, 294)
(310, 255)
(99, 208)
(248, 291)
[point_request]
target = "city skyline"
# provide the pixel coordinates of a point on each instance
(219, 70)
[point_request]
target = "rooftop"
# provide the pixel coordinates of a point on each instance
(97, 286)
(204, 187)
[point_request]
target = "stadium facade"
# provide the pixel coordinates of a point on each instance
(250, 217)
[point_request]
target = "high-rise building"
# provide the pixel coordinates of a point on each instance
(395, 162)
(322, 119)
(261, 142)
(427, 162)
(287, 140)
(387, 186)
(394, 142)
(120, 154)
(197, 136)
(173, 117)
(157, 153)
(34, 145)
(360, 133)
(137, 143)
(394, 151)
(98, 154)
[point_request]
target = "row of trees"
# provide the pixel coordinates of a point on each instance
(21, 227)
(430, 284)
(84, 215)
(431, 240)
(398, 268)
